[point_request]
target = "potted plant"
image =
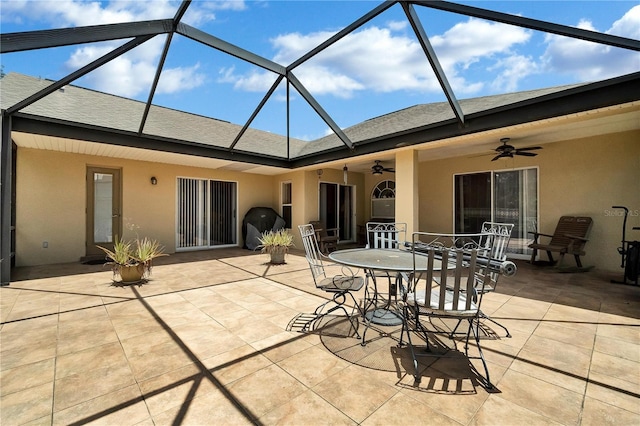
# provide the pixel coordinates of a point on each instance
(276, 243)
(133, 260)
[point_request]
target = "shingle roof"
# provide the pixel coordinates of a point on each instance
(76, 104)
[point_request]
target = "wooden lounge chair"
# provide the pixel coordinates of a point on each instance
(327, 237)
(569, 237)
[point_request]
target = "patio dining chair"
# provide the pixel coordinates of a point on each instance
(493, 245)
(382, 235)
(449, 287)
(338, 280)
(390, 235)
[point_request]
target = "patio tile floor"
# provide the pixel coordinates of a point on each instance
(208, 340)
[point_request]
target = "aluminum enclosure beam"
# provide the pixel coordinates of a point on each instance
(30, 40)
(321, 112)
(616, 91)
(534, 24)
(341, 34)
(5, 200)
(79, 73)
(414, 20)
(264, 100)
(226, 47)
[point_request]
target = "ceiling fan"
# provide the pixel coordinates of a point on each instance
(378, 168)
(508, 151)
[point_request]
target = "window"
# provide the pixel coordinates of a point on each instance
(383, 200)
(206, 213)
(286, 203)
(504, 196)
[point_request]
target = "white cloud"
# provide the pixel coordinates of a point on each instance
(251, 82)
(385, 59)
(590, 61)
(512, 70)
(174, 80)
(130, 74)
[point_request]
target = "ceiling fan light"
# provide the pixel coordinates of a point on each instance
(377, 172)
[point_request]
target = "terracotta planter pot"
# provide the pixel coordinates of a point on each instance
(131, 273)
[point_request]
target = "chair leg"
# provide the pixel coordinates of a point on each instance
(372, 302)
(338, 299)
(405, 326)
(453, 332)
(550, 257)
(487, 317)
(477, 338)
(578, 262)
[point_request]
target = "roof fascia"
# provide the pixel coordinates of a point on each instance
(39, 125)
(533, 24)
(616, 91)
(427, 48)
(30, 40)
(226, 47)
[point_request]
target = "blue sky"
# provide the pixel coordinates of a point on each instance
(378, 69)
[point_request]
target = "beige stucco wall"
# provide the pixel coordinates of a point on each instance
(580, 177)
(51, 197)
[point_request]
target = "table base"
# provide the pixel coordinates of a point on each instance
(382, 316)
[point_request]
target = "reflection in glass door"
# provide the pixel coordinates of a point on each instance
(104, 218)
(336, 209)
(505, 196)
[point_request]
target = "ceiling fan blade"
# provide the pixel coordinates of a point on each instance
(390, 170)
(526, 154)
(497, 157)
(529, 148)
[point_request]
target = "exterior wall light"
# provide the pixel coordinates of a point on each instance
(154, 181)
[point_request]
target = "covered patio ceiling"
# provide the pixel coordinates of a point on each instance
(466, 129)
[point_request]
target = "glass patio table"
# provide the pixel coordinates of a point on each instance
(393, 261)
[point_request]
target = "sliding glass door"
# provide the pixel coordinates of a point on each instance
(206, 213)
(502, 196)
(336, 209)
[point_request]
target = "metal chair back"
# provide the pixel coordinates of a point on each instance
(386, 235)
(494, 242)
(312, 252)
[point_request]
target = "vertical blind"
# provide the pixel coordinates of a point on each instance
(206, 213)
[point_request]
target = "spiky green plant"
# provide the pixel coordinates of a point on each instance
(274, 241)
(146, 250)
(122, 253)
(139, 253)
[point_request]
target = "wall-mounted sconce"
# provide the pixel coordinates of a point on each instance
(345, 173)
(319, 172)
(154, 181)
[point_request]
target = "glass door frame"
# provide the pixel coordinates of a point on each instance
(345, 219)
(492, 209)
(116, 209)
